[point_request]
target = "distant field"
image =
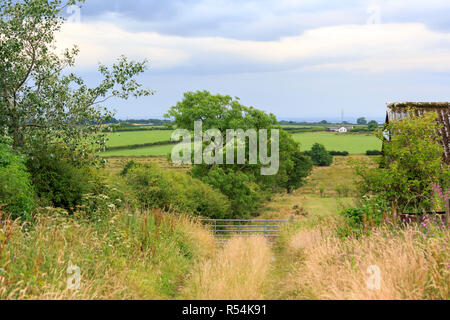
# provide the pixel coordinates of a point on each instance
(119, 139)
(354, 144)
(140, 152)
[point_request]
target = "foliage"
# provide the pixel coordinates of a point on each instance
(130, 164)
(168, 190)
(361, 121)
(372, 125)
(301, 168)
(217, 112)
(322, 189)
(373, 152)
(360, 129)
(60, 183)
(342, 190)
(41, 104)
(440, 197)
(16, 191)
(320, 156)
(244, 194)
(371, 211)
(333, 153)
(339, 153)
(243, 184)
(123, 255)
(413, 165)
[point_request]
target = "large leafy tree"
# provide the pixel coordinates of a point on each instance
(242, 183)
(42, 105)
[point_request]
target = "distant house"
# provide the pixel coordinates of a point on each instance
(340, 129)
(399, 110)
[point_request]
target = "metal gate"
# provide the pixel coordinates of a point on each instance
(224, 229)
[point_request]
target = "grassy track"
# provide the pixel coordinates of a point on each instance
(354, 144)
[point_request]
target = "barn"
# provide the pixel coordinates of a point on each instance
(399, 110)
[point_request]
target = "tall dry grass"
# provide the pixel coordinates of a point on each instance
(237, 272)
(124, 255)
(412, 266)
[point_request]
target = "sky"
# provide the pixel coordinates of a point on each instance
(298, 59)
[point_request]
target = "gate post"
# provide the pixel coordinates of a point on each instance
(265, 228)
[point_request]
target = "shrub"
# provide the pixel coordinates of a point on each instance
(339, 153)
(370, 212)
(157, 188)
(16, 191)
(358, 130)
(322, 190)
(373, 152)
(244, 194)
(342, 190)
(60, 183)
(320, 156)
(128, 166)
(412, 164)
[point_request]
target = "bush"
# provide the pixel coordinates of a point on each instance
(60, 183)
(16, 191)
(322, 190)
(320, 156)
(339, 153)
(370, 212)
(373, 152)
(411, 166)
(128, 166)
(359, 130)
(167, 190)
(343, 190)
(244, 194)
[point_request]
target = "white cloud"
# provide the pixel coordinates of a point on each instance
(104, 42)
(372, 48)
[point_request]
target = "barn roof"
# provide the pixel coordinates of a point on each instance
(399, 110)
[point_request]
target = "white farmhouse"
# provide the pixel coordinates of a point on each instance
(340, 129)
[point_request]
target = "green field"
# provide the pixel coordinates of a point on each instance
(162, 150)
(354, 144)
(119, 139)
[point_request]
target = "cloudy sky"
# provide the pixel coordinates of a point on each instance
(299, 59)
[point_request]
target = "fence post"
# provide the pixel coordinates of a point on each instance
(265, 229)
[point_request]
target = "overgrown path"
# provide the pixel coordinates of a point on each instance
(238, 271)
(252, 268)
